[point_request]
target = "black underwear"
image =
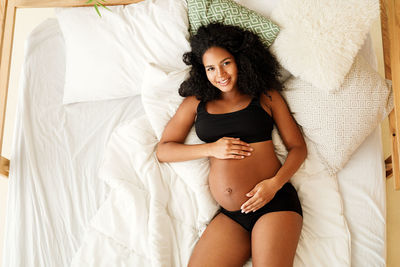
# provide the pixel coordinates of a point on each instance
(285, 199)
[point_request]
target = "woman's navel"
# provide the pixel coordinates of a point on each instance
(228, 191)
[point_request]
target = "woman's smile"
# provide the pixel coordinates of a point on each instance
(224, 82)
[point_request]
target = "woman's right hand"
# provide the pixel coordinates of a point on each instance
(230, 148)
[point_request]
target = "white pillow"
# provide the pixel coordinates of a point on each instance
(105, 56)
(161, 100)
(337, 123)
(319, 39)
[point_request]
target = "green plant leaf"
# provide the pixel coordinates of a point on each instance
(99, 4)
(104, 6)
(97, 9)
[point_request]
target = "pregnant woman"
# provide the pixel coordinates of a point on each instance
(232, 97)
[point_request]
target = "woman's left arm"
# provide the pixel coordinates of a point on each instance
(293, 139)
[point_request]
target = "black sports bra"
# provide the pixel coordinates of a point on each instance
(251, 124)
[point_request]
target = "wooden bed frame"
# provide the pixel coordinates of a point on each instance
(390, 24)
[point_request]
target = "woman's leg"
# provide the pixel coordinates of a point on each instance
(223, 243)
(274, 239)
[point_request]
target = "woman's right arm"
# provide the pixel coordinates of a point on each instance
(172, 148)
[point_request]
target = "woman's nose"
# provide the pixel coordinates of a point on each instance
(220, 72)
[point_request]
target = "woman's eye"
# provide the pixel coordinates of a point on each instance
(226, 63)
(210, 69)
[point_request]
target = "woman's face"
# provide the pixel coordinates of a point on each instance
(221, 68)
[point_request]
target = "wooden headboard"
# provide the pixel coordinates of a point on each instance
(390, 22)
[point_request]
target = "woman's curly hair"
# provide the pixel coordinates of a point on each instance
(258, 70)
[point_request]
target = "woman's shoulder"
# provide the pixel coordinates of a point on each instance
(190, 103)
(273, 100)
(191, 100)
(271, 97)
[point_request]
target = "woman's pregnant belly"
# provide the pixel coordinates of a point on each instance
(231, 179)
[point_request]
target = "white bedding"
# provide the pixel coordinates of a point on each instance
(54, 189)
(154, 217)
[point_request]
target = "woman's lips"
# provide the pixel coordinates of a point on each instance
(224, 82)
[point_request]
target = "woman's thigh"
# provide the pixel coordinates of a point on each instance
(223, 243)
(274, 239)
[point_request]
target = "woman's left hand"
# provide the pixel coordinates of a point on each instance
(260, 195)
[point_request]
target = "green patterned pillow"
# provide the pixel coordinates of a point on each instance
(203, 12)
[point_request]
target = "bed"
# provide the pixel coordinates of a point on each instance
(68, 212)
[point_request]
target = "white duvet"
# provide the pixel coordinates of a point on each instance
(154, 217)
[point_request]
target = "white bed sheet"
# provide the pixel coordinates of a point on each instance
(362, 183)
(54, 190)
(363, 190)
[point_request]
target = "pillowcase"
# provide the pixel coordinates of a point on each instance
(337, 123)
(203, 12)
(264, 8)
(105, 56)
(160, 101)
(319, 39)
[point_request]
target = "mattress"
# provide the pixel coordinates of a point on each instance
(54, 188)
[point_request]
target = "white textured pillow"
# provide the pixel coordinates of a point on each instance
(105, 56)
(337, 123)
(319, 39)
